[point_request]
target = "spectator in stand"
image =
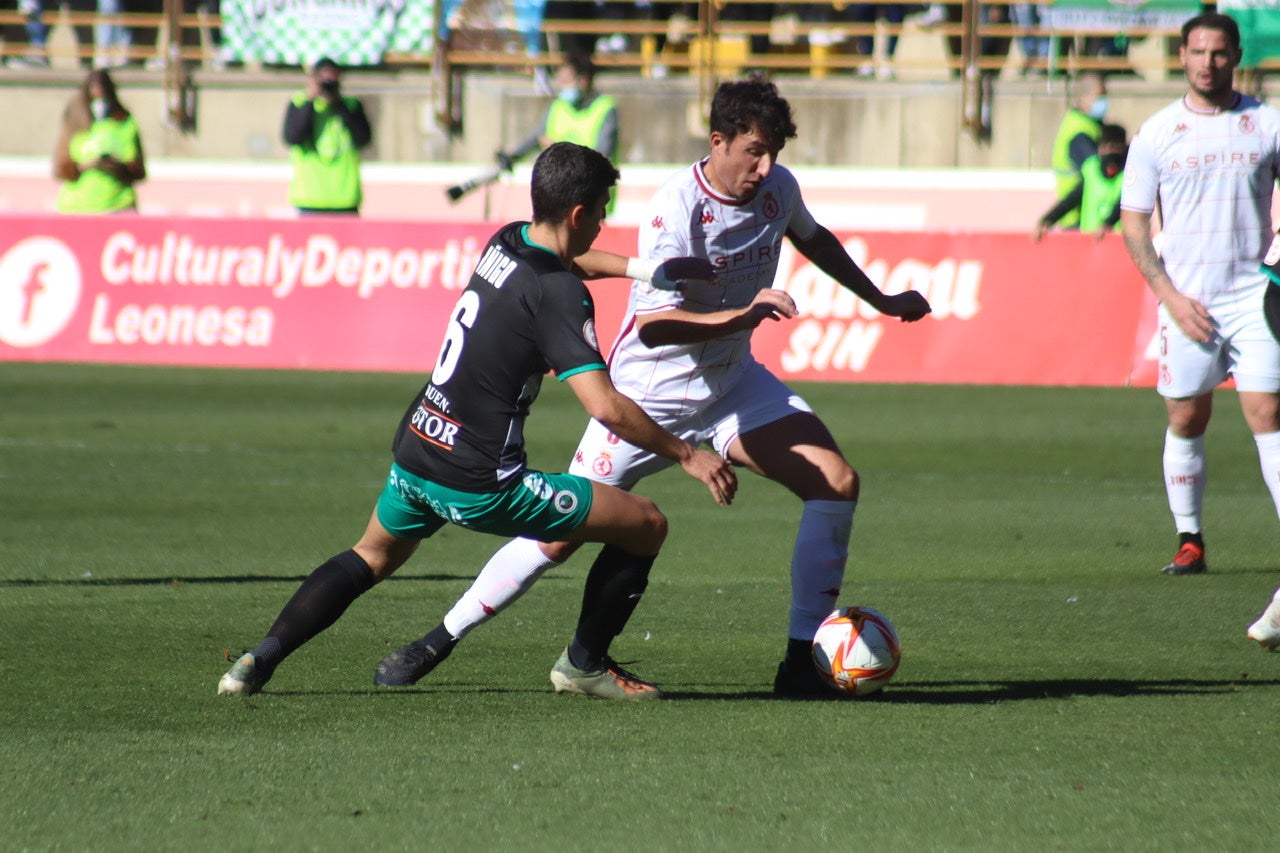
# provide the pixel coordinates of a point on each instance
(1077, 138)
(868, 13)
(111, 39)
(1096, 198)
(325, 131)
(1035, 49)
(98, 156)
(37, 35)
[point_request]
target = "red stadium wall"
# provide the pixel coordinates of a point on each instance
(348, 294)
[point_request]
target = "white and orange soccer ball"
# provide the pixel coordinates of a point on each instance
(856, 650)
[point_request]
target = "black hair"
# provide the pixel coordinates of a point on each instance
(1113, 134)
(1224, 24)
(741, 106)
(566, 175)
(581, 64)
(325, 62)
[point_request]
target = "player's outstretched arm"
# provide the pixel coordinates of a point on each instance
(677, 326)
(625, 419)
(671, 274)
(829, 255)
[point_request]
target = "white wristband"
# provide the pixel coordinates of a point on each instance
(641, 269)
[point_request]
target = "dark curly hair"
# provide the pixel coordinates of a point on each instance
(741, 106)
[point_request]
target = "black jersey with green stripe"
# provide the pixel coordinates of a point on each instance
(522, 315)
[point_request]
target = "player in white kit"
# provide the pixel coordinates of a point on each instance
(685, 356)
(1209, 163)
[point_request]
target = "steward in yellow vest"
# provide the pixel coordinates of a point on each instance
(579, 114)
(325, 131)
(1077, 138)
(1096, 197)
(98, 156)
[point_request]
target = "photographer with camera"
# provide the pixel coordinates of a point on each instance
(325, 131)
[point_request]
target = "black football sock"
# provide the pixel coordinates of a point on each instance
(1194, 538)
(799, 651)
(614, 585)
(317, 604)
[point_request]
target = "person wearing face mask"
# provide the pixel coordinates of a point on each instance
(1077, 138)
(98, 155)
(325, 131)
(1096, 198)
(579, 114)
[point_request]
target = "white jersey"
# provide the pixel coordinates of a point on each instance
(687, 218)
(1212, 175)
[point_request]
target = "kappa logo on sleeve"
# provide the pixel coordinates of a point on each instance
(39, 291)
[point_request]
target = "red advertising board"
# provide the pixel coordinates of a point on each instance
(357, 294)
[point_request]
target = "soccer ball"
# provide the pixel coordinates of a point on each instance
(856, 650)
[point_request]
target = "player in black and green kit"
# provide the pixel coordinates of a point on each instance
(459, 452)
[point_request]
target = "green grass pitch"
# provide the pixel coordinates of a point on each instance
(1056, 692)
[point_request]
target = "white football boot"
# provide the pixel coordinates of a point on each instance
(1266, 631)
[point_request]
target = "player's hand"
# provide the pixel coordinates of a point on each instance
(1037, 233)
(675, 273)
(1192, 318)
(713, 470)
(909, 306)
(770, 304)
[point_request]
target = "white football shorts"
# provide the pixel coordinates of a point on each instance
(1242, 347)
(758, 398)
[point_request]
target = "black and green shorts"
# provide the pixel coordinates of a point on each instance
(540, 506)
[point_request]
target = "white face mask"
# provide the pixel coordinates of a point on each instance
(99, 108)
(1099, 108)
(570, 94)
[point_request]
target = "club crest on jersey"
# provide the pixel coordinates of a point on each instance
(770, 207)
(1247, 125)
(589, 333)
(566, 502)
(602, 466)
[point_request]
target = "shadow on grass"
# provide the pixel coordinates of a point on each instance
(983, 693)
(216, 579)
(914, 693)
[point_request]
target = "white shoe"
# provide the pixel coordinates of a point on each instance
(1266, 631)
(243, 679)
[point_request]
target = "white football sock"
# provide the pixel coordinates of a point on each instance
(507, 576)
(817, 564)
(1184, 475)
(1269, 457)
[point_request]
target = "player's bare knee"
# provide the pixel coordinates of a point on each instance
(558, 551)
(845, 484)
(654, 523)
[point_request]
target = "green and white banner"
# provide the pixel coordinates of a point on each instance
(351, 32)
(1118, 16)
(1259, 22)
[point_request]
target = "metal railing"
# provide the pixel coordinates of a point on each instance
(708, 40)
